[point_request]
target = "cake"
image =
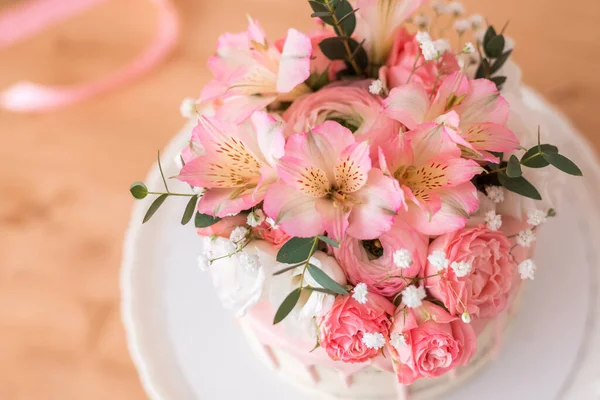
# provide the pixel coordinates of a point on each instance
(369, 194)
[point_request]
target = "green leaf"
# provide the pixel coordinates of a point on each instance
(296, 250)
(500, 62)
(519, 185)
(490, 33)
(189, 210)
(321, 290)
(325, 281)
(495, 46)
(513, 169)
(484, 69)
(138, 190)
(320, 14)
(286, 269)
(499, 81)
(334, 48)
(563, 163)
(205, 220)
(531, 160)
(287, 306)
(329, 241)
(154, 207)
(344, 14)
(317, 81)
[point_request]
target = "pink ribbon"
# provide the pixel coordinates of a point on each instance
(34, 16)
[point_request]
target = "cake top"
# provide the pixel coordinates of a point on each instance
(354, 179)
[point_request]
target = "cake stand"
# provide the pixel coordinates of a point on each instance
(185, 346)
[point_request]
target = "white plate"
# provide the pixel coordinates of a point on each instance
(186, 346)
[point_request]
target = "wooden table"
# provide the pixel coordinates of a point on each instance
(64, 176)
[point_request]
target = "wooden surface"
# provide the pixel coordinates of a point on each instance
(64, 175)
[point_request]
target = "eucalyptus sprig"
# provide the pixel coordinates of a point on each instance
(493, 56)
(341, 15)
(140, 191)
(298, 252)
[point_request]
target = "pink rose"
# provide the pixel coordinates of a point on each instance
(224, 227)
(372, 262)
(277, 237)
(427, 342)
(402, 59)
(342, 329)
(483, 291)
(352, 106)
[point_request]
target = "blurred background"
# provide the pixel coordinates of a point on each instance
(65, 174)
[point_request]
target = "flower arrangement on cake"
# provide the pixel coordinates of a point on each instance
(360, 188)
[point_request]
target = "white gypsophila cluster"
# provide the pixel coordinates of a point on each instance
(495, 194)
(438, 260)
(402, 258)
(428, 47)
(373, 340)
(440, 7)
(238, 234)
(188, 107)
(397, 340)
(461, 268)
(527, 269)
(461, 26)
(203, 262)
(493, 221)
(250, 262)
(477, 21)
(422, 21)
(525, 238)
(466, 317)
(536, 217)
(442, 46)
(360, 293)
(412, 296)
(255, 218)
(456, 8)
(376, 87)
(469, 48)
(272, 223)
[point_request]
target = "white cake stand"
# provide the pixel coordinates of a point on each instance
(186, 346)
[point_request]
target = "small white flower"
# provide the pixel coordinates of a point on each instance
(495, 194)
(413, 296)
(272, 223)
(477, 21)
(466, 317)
(525, 238)
(456, 8)
(203, 262)
(438, 260)
(430, 52)
(398, 340)
(440, 7)
(442, 46)
(238, 234)
(402, 258)
(255, 218)
(493, 221)
(461, 268)
(527, 269)
(461, 26)
(188, 107)
(423, 37)
(376, 87)
(422, 21)
(360, 293)
(536, 217)
(373, 340)
(250, 262)
(469, 48)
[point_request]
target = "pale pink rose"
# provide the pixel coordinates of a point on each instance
(277, 237)
(361, 265)
(224, 227)
(401, 61)
(351, 105)
(342, 329)
(431, 342)
(485, 290)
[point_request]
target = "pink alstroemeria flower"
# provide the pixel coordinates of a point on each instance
(237, 164)
(474, 111)
(327, 184)
(250, 73)
(435, 179)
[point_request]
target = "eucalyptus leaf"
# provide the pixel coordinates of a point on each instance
(205, 220)
(563, 163)
(329, 241)
(519, 185)
(513, 169)
(138, 190)
(189, 210)
(484, 69)
(490, 33)
(325, 281)
(317, 81)
(344, 15)
(499, 81)
(321, 290)
(500, 61)
(287, 306)
(154, 207)
(533, 159)
(286, 269)
(334, 48)
(495, 46)
(296, 250)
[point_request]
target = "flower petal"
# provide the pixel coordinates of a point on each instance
(335, 220)
(455, 86)
(299, 174)
(483, 104)
(431, 141)
(294, 66)
(219, 202)
(353, 167)
(407, 104)
(269, 135)
(491, 137)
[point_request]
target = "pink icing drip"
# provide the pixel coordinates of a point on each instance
(271, 356)
(348, 381)
(314, 374)
(402, 392)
